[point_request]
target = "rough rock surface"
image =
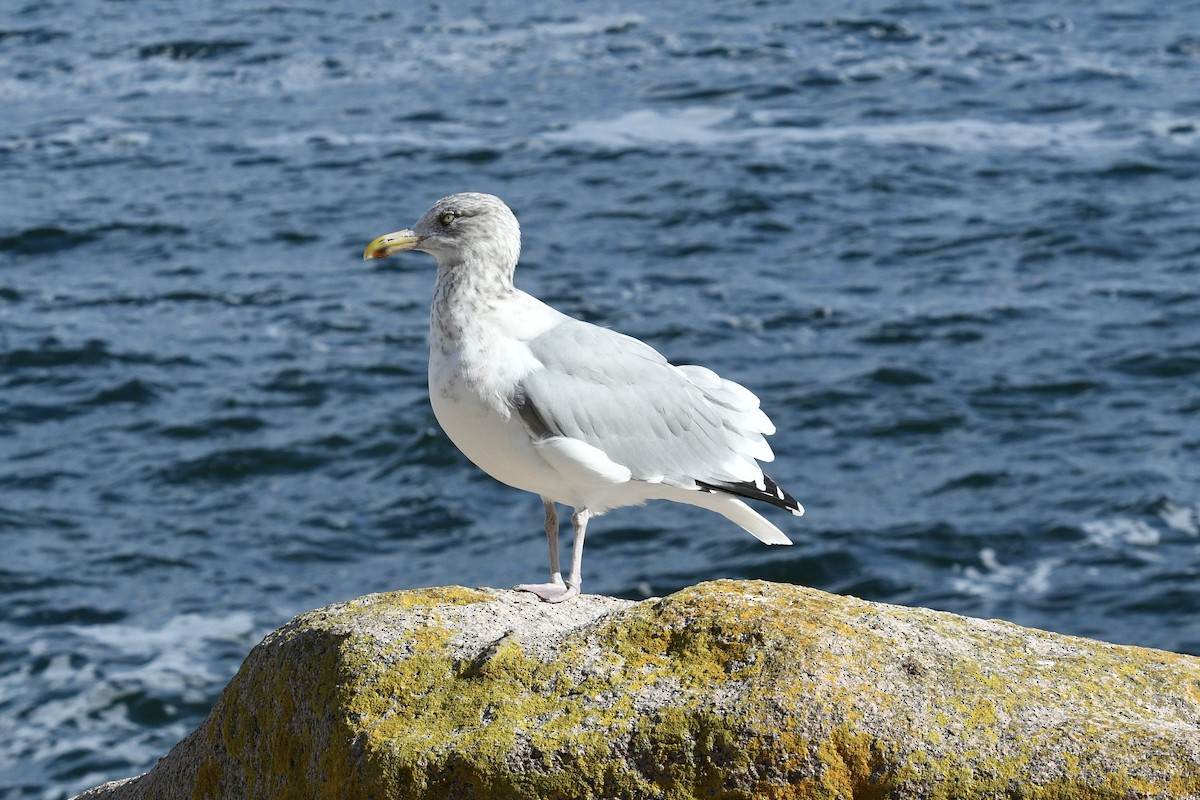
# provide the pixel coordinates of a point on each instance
(724, 690)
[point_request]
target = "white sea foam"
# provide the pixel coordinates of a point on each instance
(572, 29)
(85, 672)
(1184, 130)
(1181, 518)
(710, 127)
(992, 578)
(290, 140)
(1118, 532)
(707, 125)
(694, 126)
(171, 657)
(96, 132)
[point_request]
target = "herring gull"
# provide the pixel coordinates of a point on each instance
(577, 414)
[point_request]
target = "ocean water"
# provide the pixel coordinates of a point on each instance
(953, 246)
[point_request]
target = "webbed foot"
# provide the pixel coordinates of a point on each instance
(550, 592)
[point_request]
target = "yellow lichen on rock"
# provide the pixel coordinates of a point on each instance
(730, 690)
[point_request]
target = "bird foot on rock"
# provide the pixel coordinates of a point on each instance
(550, 592)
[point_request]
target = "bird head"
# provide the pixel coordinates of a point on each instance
(461, 228)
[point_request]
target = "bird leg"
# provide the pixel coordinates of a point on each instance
(555, 591)
(579, 521)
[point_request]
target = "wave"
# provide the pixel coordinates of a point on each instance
(991, 578)
(1181, 518)
(238, 464)
(706, 126)
(125, 691)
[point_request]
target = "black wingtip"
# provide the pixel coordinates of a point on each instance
(771, 492)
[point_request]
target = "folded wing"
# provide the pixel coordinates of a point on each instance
(682, 426)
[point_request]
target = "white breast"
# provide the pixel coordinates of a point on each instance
(496, 444)
(473, 372)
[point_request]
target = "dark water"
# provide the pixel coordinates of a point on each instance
(955, 248)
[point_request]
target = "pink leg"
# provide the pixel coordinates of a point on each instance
(555, 591)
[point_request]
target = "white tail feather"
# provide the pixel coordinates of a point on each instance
(732, 509)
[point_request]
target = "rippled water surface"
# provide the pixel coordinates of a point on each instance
(954, 247)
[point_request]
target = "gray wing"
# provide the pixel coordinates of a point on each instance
(680, 425)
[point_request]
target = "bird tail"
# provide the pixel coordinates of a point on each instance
(734, 510)
(764, 490)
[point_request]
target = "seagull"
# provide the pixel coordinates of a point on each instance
(580, 415)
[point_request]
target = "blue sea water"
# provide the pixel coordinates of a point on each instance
(953, 246)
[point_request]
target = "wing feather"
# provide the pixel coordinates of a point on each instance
(680, 425)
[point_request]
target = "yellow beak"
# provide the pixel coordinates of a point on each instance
(390, 243)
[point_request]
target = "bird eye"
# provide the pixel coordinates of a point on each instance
(449, 217)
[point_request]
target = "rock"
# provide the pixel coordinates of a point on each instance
(724, 690)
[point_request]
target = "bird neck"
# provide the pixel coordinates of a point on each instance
(464, 294)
